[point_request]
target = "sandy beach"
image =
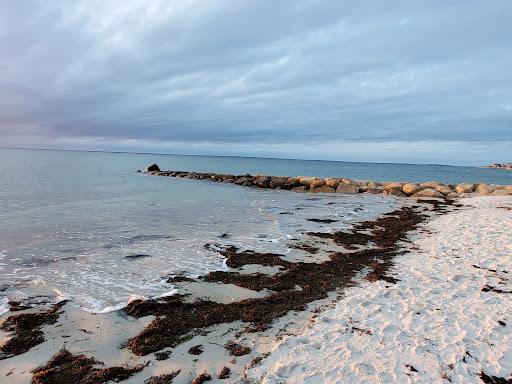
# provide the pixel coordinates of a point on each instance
(436, 309)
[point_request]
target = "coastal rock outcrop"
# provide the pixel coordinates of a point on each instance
(153, 168)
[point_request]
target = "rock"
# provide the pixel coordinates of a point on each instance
(374, 191)
(465, 188)
(262, 181)
(410, 189)
(322, 189)
(306, 180)
(508, 187)
(224, 373)
(428, 192)
(346, 181)
(502, 192)
(374, 185)
(347, 188)
(452, 195)
(333, 183)
(445, 190)
(485, 189)
(138, 171)
(394, 192)
(430, 184)
(277, 183)
(229, 181)
(316, 183)
(291, 183)
(244, 180)
(302, 188)
(397, 186)
(153, 168)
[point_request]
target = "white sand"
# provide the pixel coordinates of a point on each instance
(436, 319)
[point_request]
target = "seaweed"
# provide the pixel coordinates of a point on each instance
(65, 368)
(26, 328)
(292, 289)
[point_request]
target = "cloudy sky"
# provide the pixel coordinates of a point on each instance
(412, 81)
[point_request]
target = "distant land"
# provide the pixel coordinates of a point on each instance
(500, 166)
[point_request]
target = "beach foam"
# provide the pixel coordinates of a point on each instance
(448, 317)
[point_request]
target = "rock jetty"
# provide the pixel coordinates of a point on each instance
(431, 189)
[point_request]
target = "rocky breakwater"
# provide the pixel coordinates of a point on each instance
(311, 184)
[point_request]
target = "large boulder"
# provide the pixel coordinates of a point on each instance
(302, 188)
(262, 181)
(277, 183)
(394, 192)
(445, 190)
(306, 180)
(244, 180)
(430, 184)
(465, 188)
(502, 192)
(393, 185)
(410, 189)
(347, 188)
(316, 183)
(322, 189)
(428, 192)
(292, 182)
(331, 182)
(485, 189)
(152, 168)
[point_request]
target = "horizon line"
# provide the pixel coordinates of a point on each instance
(229, 156)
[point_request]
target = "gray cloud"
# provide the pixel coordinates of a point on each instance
(218, 74)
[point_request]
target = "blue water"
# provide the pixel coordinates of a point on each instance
(69, 219)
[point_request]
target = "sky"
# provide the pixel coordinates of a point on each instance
(390, 81)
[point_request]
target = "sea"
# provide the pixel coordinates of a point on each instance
(86, 227)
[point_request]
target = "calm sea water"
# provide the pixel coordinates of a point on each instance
(71, 221)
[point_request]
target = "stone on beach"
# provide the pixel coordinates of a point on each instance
(323, 189)
(428, 192)
(394, 192)
(347, 188)
(410, 188)
(502, 192)
(444, 189)
(331, 182)
(430, 184)
(465, 188)
(307, 180)
(485, 189)
(316, 183)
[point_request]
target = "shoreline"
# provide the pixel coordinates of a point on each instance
(232, 319)
(311, 184)
(261, 296)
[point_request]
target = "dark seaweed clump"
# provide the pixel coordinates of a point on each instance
(163, 379)
(292, 289)
(237, 349)
(27, 330)
(66, 368)
(494, 379)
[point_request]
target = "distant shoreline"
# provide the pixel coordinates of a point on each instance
(507, 166)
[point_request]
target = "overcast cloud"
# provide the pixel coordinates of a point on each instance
(426, 81)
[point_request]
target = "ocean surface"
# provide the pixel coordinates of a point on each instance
(86, 227)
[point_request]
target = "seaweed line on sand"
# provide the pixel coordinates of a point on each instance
(291, 289)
